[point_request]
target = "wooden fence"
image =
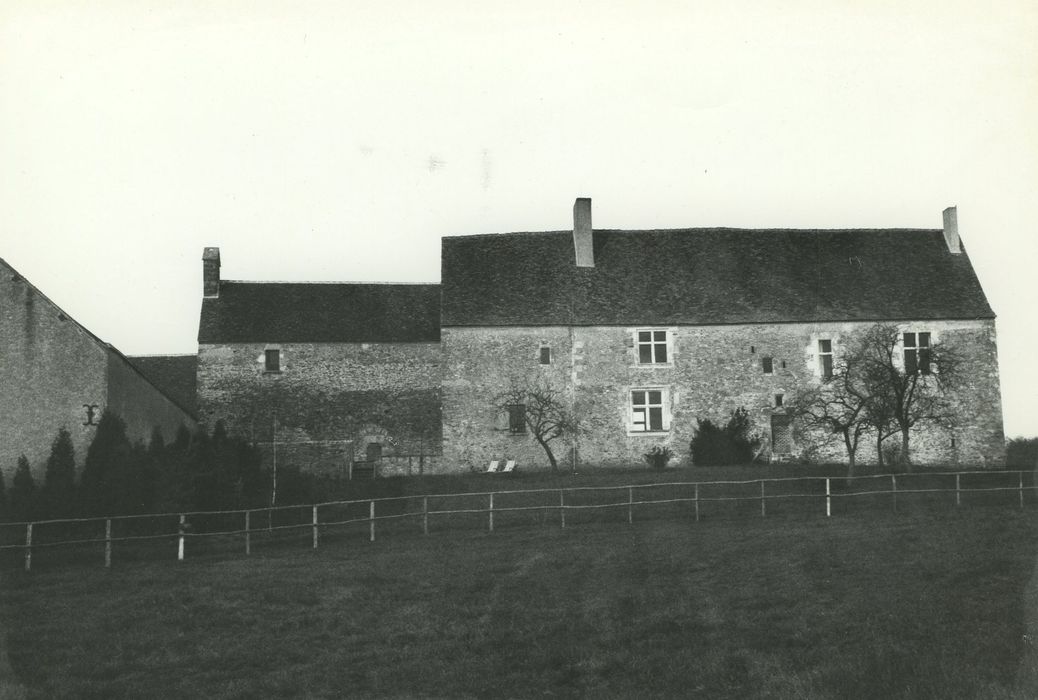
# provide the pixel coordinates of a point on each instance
(810, 496)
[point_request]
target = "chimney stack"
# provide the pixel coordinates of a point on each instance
(211, 272)
(951, 231)
(583, 239)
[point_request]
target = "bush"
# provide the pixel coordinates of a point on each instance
(732, 444)
(1022, 452)
(658, 457)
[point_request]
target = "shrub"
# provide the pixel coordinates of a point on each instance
(658, 457)
(1022, 452)
(732, 444)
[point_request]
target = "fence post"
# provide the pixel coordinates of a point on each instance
(1021, 489)
(562, 507)
(108, 543)
(893, 490)
(315, 526)
(762, 498)
(630, 505)
(828, 500)
(491, 511)
(958, 492)
(425, 515)
(371, 516)
(248, 535)
(180, 540)
(28, 546)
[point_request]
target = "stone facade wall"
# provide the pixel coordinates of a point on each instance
(712, 370)
(50, 368)
(330, 401)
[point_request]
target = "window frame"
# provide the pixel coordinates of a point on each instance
(825, 369)
(516, 418)
(922, 355)
(545, 355)
(639, 415)
(275, 367)
(653, 344)
(767, 364)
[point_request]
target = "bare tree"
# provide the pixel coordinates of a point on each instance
(541, 409)
(907, 376)
(839, 406)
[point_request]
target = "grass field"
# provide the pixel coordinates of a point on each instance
(873, 605)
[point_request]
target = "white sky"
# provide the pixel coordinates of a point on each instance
(341, 140)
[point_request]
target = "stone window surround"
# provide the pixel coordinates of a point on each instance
(906, 349)
(265, 359)
(664, 405)
(636, 343)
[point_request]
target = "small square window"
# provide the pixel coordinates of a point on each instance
(778, 400)
(545, 355)
(652, 347)
(272, 360)
(767, 364)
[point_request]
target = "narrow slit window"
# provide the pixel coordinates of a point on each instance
(825, 358)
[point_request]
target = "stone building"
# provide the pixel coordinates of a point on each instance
(324, 377)
(643, 332)
(55, 373)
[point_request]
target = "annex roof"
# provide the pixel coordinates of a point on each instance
(175, 375)
(322, 312)
(707, 276)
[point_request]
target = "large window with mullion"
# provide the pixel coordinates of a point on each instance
(648, 413)
(917, 353)
(652, 347)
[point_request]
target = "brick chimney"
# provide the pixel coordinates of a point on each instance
(583, 238)
(951, 231)
(211, 272)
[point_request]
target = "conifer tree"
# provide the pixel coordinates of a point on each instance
(59, 481)
(4, 512)
(23, 491)
(107, 467)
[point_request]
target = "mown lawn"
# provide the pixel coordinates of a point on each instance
(876, 605)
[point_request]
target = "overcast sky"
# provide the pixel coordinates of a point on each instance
(341, 140)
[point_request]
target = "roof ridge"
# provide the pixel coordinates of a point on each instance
(343, 282)
(704, 229)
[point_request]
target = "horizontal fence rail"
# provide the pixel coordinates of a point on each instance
(337, 520)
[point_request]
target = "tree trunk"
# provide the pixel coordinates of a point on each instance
(551, 456)
(879, 448)
(904, 450)
(852, 448)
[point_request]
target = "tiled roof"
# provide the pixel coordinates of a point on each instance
(175, 375)
(285, 312)
(707, 276)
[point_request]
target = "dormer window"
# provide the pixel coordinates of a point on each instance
(272, 360)
(653, 347)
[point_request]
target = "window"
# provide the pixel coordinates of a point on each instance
(917, 353)
(545, 355)
(825, 358)
(516, 418)
(272, 360)
(652, 348)
(647, 414)
(767, 364)
(778, 400)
